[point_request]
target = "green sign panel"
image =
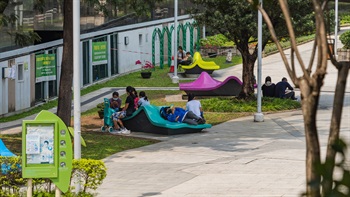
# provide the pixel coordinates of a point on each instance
(99, 53)
(47, 149)
(45, 67)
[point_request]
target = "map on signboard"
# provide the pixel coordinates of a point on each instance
(40, 144)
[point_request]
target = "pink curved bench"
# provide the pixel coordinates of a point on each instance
(205, 85)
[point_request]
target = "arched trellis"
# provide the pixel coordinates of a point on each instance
(196, 26)
(169, 34)
(184, 35)
(180, 27)
(160, 35)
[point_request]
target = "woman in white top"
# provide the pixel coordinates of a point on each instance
(194, 105)
(143, 101)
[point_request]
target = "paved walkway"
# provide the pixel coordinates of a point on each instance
(236, 158)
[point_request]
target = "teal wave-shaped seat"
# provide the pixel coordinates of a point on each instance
(148, 119)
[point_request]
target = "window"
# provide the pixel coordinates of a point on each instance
(140, 39)
(20, 72)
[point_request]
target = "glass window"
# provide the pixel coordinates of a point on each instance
(20, 72)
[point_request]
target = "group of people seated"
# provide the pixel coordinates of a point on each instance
(193, 114)
(280, 90)
(132, 103)
(183, 58)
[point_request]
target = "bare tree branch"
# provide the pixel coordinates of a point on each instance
(285, 10)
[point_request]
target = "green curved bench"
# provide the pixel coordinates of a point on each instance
(199, 65)
(147, 119)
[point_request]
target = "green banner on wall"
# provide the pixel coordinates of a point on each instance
(45, 67)
(99, 53)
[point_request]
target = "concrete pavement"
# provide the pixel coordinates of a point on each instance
(237, 158)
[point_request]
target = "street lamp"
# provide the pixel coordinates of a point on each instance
(259, 117)
(175, 78)
(336, 29)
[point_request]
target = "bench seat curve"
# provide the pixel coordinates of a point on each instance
(147, 119)
(205, 85)
(199, 65)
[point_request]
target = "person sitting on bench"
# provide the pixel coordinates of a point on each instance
(177, 114)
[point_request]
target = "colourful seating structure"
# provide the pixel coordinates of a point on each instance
(4, 151)
(148, 119)
(199, 65)
(205, 85)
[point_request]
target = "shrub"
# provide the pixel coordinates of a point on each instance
(11, 176)
(213, 41)
(345, 39)
(92, 173)
(100, 106)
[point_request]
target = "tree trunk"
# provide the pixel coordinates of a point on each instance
(333, 137)
(248, 74)
(309, 108)
(65, 90)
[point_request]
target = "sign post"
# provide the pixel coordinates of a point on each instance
(47, 149)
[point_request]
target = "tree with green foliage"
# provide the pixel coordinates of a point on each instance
(144, 8)
(319, 176)
(22, 37)
(237, 20)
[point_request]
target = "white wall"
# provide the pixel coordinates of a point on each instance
(139, 48)
(3, 90)
(22, 87)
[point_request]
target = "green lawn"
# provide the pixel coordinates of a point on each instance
(159, 78)
(216, 111)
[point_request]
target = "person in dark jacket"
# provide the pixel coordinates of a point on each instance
(268, 89)
(284, 90)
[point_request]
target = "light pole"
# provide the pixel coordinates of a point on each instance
(76, 83)
(336, 29)
(259, 116)
(175, 78)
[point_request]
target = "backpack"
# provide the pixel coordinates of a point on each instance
(163, 113)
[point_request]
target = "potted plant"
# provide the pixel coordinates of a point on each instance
(344, 53)
(146, 69)
(100, 110)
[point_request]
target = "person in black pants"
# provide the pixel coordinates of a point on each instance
(284, 90)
